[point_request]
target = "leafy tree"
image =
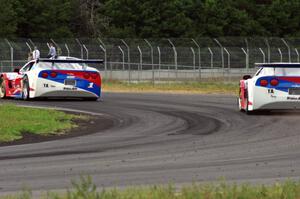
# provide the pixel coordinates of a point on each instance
(282, 18)
(8, 18)
(45, 19)
(149, 18)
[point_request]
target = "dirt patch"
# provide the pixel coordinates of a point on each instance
(93, 124)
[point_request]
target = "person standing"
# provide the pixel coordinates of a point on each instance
(52, 51)
(36, 53)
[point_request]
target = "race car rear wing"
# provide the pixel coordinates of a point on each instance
(84, 61)
(278, 65)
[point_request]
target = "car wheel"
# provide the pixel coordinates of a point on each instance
(2, 89)
(90, 99)
(25, 89)
(239, 104)
(248, 112)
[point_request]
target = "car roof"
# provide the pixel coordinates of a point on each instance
(70, 60)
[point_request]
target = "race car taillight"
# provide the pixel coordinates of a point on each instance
(86, 75)
(53, 74)
(45, 75)
(274, 82)
(94, 75)
(263, 82)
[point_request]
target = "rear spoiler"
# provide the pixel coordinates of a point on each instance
(85, 61)
(277, 65)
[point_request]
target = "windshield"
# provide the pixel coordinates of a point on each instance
(280, 71)
(62, 66)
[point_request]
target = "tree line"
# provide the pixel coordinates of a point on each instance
(149, 18)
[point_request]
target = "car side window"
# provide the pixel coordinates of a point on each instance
(27, 67)
(258, 72)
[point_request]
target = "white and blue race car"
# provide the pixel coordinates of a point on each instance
(64, 77)
(274, 86)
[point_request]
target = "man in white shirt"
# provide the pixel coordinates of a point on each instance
(36, 53)
(52, 51)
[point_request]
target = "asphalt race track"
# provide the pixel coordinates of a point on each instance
(160, 138)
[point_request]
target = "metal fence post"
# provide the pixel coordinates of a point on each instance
(11, 53)
(105, 61)
(247, 58)
(228, 63)
(288, 47)
(152, 60)
(263, 54)
(103, 48)
(228, 57)
(199, 54)
(222, 51)
(128, 59)
(81, 48)
(247, 53)
(140, 68)
(31, 42)
(194, 61)
(211, 57)
(159, 61)
(123, 57)
(269, 50)
(280, 53)
(86, 50)
(296, 50)
(68, 50)
(175, 58)
(28, 46)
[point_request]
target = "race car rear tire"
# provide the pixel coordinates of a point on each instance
(2, 89)
(25, 89)
(90, 98)
(248, 112)
(239, 104)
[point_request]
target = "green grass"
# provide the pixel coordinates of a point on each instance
(85, 189)
(208, 87)
(14, 121)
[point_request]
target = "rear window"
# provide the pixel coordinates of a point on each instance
(62, 66)
(280, 71)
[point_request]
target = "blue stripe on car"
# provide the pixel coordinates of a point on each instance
(283, 85)
(80, 83)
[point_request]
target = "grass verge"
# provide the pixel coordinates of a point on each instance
(209, 87)
(16, 121)
(85, 189)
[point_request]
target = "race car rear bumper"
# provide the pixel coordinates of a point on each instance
(71, 94)
(281, 105)
(281, 102)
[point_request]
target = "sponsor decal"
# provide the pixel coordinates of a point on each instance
(71, 77)
(91, 85)
(70, 88)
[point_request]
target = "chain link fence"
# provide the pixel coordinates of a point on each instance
(160, 59)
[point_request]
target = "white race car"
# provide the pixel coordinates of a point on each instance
(274, 86)
(59, 78)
